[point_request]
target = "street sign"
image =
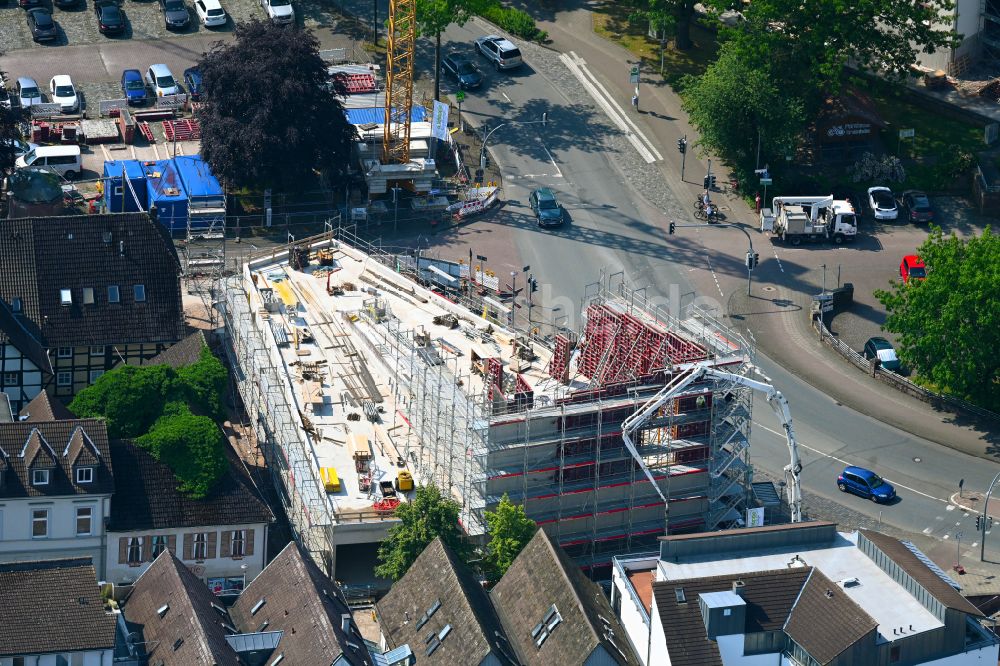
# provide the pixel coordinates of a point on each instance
(633, 74)
(907, 133)
(460, 96)
(766, 181)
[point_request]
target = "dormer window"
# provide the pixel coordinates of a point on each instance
(16, 304)
(140, 293)
(88, 295)
(84, 474)
(39, 477)
(113, 296)
(66, 296)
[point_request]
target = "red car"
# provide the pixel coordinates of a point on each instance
(912, 267)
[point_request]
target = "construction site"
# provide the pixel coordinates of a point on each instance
(360, 382)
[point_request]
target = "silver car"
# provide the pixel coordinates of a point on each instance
(27, 92)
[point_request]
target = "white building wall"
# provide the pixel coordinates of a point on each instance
(657, 654)
(83, 658)
(631, 616)
(981, 657)
(731, 650)
(16, 542)
(213, 567)
(30, 377)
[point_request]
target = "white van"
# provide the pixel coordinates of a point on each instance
(63, 160)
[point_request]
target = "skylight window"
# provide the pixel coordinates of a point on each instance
(257, 606)
(162, 610)
(66, 296)
(542, 630)
(140, 293)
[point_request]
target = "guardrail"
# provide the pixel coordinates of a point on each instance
(106, 106)
(898, 381)
(171, 101)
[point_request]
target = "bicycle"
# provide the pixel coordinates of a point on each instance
(711, 217)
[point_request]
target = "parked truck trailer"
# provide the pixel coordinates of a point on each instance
(794, 219)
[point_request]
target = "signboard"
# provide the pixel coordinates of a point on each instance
(460, 96)
(907, 133)
(849, 130)
(755, 517)
(633, 74)
(766, 181)
(439, 121)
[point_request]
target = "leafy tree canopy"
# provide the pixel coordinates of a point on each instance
(429, 515)
(205, 383)
(130, 398)
(948, 326)
(8, 132)
(191, 446)
(271, 115)
(510, 531)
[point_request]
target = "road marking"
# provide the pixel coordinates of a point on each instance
(714, 277)
(558, 170)
(778, 259)
(950, 507)
(535, 175)
(847, 464)
(609, 106)
(927, 530)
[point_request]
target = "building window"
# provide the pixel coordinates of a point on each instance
(238, 543)
(12, 379)
(140, 293)
(84, 474)
(88, 295)
(15, 304)
(95, 374)
(134, 551)
(84, 520)
(894, 655)
(39, 477)
(113, 293)
(64, 378)
(39, 523)
(200, 550)
(66, 296)
(65, 352)
(97, 350)
(159, 545)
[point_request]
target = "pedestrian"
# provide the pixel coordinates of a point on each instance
(635, 101)
(700, 402)
(876, 364)
(756, 199)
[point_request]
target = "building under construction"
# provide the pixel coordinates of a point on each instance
(351, 371)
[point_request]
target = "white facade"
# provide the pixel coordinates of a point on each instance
(21, 379)
(217, 562)
(82, 658)
(73, 527)
(967, 20)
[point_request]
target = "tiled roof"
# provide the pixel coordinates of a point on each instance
(769, 597)
(147, 497)
(52, 606)
(304, 604)
(179, 618)
(436, 580)
(541, 577)
(43, 256)
(185, 352)
(825, 621)
(921, 573)
(44, 407)
(46, 443)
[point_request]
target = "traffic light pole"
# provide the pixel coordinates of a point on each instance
(682, 147)
(982, 527)
(751, 261)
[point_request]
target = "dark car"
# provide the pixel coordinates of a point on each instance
(175, 14)
(865, 483)
(462, 70)
(24, 4)
(192, 81)
(133, 87)
(43, 28)
(917, 206)
(110, 18)
(883, 350)
(546, 207)
(66, 4)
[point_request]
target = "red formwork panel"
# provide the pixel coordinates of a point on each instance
(356, 83)
(559, 365)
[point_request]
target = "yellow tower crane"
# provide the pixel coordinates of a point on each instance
(400, 52)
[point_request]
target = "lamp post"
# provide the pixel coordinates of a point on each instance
(395, 202)
(460, 97)
(482, 151)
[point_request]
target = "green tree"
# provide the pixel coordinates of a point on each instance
(948, 326)
(734, 100)
(433, 18)
(205, 383)
(510, 531)
(191, 446)
(8, 134)
(428, 516)
(271, 115)
(131, 398)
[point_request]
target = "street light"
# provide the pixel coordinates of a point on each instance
(395, 214)
(482, 151)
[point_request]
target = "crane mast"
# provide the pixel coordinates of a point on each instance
(400, 53)
(702, 370)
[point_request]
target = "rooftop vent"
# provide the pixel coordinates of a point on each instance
(829, 594)
(796, 562)
(848, 583)
(738, 586)
(106, 237)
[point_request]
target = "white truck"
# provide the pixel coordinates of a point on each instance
(795, 219)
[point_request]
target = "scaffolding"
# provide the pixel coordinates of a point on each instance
(204, 251)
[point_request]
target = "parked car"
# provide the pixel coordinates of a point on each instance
(63, 93)
(917, 206)
(66, 4)
(24, 4)
(63, 160)
(192, 81)
(211, 13)
(20, 147)
(462, 70)
(912, 268)
(865, 483)
(27, 92)
(882, 203)
(133, 87)
(110, 17)
(43, 28)
(4, 96)
(883, 350)
(548, 212)
(161, 81)
(501, 52)
(279, 11)
(175, 14)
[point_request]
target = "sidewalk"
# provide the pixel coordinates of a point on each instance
(780, 323)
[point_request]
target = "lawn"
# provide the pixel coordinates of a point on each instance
(610, 21)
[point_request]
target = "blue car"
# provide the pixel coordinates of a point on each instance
(865, 483)
(133, 87)
(192, 80)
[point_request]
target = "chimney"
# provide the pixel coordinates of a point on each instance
(738, 586)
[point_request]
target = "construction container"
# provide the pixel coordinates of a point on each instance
(404, 481)
(124, 187)
(331, 482)
(167, 195)
(206, 198)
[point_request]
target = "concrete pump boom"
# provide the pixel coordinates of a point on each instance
(700, 371)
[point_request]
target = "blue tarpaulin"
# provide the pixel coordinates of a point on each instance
(377, 115)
